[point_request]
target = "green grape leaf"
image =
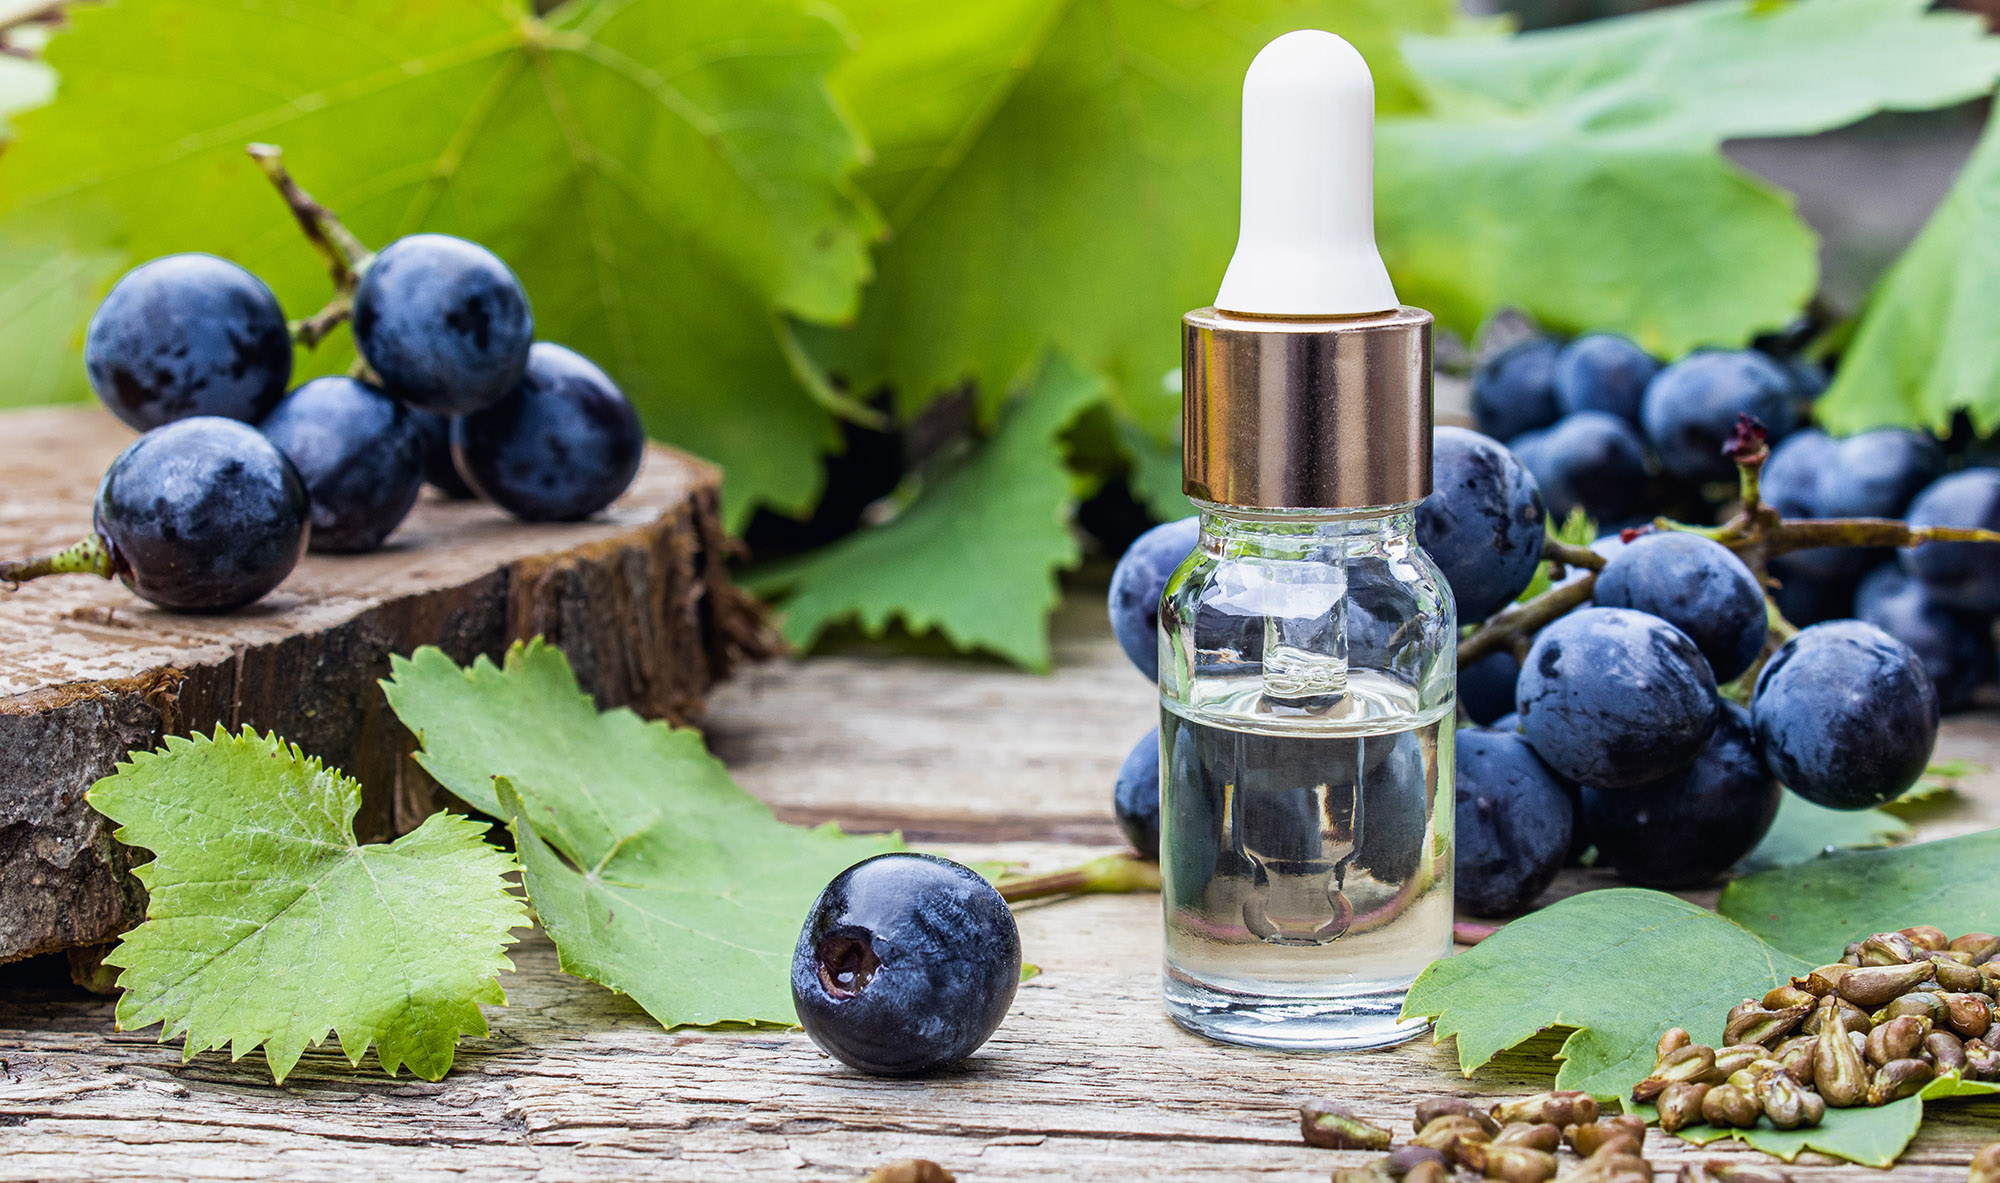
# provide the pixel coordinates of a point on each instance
(47, 291)
(267, 923)
(1924, 348)
(1617, 967)
(652, 872)
(1063, 175)
(1576, 172)
(1814, 909)
(671, 182)
(1805, 831)
(975, 554)
(1620, 966)
(1872, 1137)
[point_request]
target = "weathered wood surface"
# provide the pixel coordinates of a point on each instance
(637, 598)
(1086, 1080)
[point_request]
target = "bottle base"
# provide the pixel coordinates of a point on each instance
(1348, 1022)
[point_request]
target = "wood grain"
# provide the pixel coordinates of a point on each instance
(1087, 1079)
(637, 598)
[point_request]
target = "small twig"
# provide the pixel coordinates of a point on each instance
(1756, 535)
(1524, 619)
(345, 255)
(1114, 874)
(1572, 556)
(1819, 532)
(311, 330)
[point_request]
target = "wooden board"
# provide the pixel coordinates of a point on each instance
(637, 597)
(1087, 1079)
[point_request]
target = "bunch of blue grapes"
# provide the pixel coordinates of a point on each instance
(1655, 722)
(238, 473)
(1675, 705)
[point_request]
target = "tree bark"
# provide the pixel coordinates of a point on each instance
(638, 598)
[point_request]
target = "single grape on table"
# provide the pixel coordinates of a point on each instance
(906, 964)
(201, 515)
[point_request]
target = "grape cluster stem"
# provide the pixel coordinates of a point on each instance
(1114, 874)
(1757, 533)
(346, 256)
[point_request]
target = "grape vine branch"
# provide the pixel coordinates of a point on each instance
(1757, 533)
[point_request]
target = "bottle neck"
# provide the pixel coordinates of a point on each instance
(1231, 531)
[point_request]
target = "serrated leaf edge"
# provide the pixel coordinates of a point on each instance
(129, 1015)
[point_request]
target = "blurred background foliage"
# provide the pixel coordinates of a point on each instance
(912, 272)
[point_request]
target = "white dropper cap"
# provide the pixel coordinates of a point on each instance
(1307, 243)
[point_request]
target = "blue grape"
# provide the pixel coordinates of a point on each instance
(1482, 523)
(1955, 647)
(1486, 687)
(1960, 575)
(202, 515)
(444, 323)
(1191, 850)
(1691, 407)
(1513, 824)
(1613, 698)
(1592, 461)
(1790, 485)
(1809, 378)
(1137, 584)
(1685, 829)
(1606, 545)
(562, 446)
(1789, 482)
(906, 964)
(439, 471)
(1697, 585)
(1846, 715)
(1878, 473)
(1603, 372)
(1514, 390)
(188, 335)
(1395, 809)
(1135, 799)
(1804, 600)
(360, 455)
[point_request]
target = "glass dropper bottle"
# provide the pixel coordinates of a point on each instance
(1307, 671)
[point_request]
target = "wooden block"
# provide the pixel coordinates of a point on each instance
(637, 597)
